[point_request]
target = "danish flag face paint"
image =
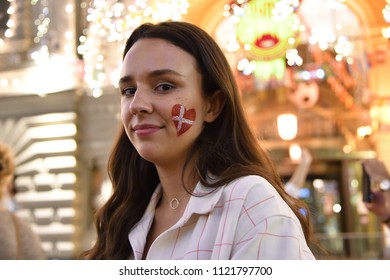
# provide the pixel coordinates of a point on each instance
(182, 118)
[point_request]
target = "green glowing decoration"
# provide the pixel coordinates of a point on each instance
(265, 32)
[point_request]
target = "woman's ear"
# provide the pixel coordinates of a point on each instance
(215, 104)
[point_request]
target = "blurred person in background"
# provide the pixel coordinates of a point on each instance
(298, 178)
(380, 204)
(17, 238)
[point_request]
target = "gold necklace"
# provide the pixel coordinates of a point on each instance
(175, 202)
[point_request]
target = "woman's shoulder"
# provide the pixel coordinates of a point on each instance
(251, 183)
(247, 194)
(255, 190)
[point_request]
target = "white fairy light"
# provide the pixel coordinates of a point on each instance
(386, 32)
(10, 31)
(69, 8)
(42, 23)
(386, 16)
(386, 12)
(343, 46)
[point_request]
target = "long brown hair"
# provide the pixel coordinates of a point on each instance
(226, 148)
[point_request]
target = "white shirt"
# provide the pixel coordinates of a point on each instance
(246, 219)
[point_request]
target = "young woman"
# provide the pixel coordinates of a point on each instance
(190, 180)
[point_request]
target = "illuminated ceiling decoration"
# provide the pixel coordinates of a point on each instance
(305, 94)
(7, 21)
(386, 16)
(332, 36)
(287, 126)
(380, 109)
(42, 23)
(39, 45)
(266, 33)
(110, 24)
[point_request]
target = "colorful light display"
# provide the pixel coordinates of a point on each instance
(266, 31)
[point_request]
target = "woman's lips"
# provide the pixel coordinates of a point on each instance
(145, 129)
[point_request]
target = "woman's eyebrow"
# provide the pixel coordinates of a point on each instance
(161, 72)
(125, 79)
(152, 74)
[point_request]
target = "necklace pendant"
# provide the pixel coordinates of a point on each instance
(174, 204)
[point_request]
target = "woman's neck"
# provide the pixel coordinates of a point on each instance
(174, 184)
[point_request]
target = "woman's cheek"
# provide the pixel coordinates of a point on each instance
(182, 118)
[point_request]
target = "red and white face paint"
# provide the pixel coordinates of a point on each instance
(182, 118)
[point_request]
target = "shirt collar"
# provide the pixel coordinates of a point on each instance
(203, 200)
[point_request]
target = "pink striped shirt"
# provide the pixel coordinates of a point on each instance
(246, 219)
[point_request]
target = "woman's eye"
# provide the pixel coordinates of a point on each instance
(130, 91)
(164, 87)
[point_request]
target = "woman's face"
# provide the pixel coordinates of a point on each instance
(163, 108)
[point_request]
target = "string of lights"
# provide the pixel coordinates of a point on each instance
(9, 14)
(386, 16)
(110, 22)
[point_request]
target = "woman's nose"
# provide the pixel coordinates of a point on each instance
(141, 103)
